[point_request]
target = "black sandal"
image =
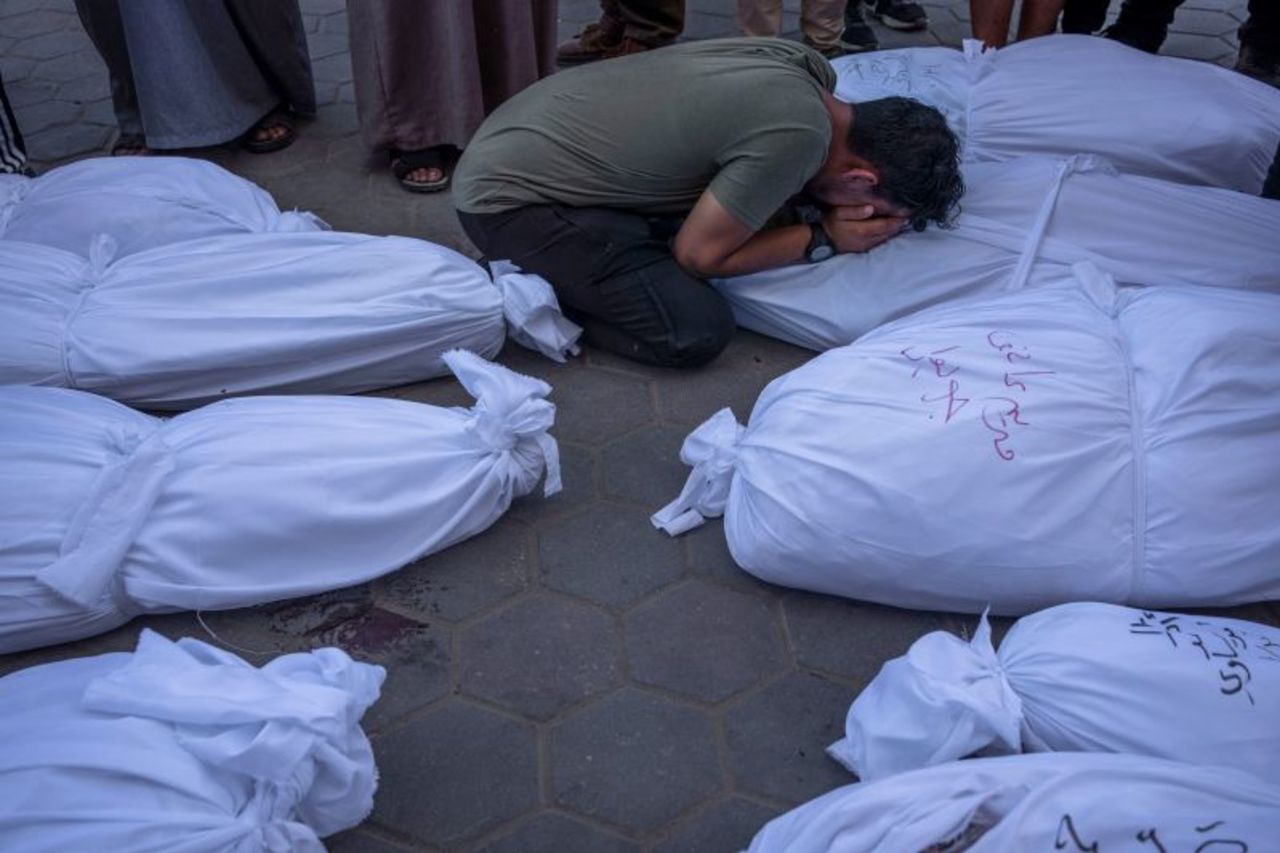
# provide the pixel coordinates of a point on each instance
(403, 163)
(276, 118)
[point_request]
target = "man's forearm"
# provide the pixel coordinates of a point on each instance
(765, 250)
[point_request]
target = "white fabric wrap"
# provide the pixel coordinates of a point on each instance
(12, 190)
(1023, 223)
(1055, 801)
(141, 203)
(533, 313)
(183, 746)
(249, 500)
(945, 699)
(1021, 451)
(1188, 122)
(249, 313)
(712, 450)
(511, 416)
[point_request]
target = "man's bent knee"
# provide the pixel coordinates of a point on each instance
(698, 342)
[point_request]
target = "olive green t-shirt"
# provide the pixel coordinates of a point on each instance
(650, 132)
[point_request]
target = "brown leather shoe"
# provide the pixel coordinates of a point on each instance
(594, 42)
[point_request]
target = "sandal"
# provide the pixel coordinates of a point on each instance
(405, 163)
(274, 119)
(131, 145)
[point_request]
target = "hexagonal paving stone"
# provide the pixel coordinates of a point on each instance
(356, 841)
(1192, 46)
(853, 639)
(416, 659)
(644, 467)
(708, 557)
(704, 641)
(72, 66)
(37, 22)
(52, 44)
(553, 832)
(540, 656)
(634, 760)
(728, 825)
(66, 140)
(609, 554)
(594, 407)
(463, 580)
(735, 379)
(777, 738)
(454, 773)
(1203, 22)
(577, 473)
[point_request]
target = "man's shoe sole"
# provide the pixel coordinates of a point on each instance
(905, 26)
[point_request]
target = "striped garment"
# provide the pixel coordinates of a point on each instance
(13, 154)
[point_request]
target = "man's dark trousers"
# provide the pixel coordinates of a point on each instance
(614, 274)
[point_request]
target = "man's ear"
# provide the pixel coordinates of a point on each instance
(860, 176)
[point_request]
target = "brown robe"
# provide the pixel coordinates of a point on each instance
(427, 73)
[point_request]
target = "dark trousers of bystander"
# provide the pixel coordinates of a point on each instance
(614, 274)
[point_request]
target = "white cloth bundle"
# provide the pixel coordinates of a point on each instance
(311, 312)
(1067, 442)
(1073, 802)
(140, 203)
(110, 513)
(1081, 677)
(184, 747)
(1021, 222)
(1176, 119)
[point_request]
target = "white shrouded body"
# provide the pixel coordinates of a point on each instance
(1021, 222)
(1067, 442)
(185, 747)
(1082, 677)
(1055, 802)
(114, 513)
(1176, 119)
(302, 313)
(140, 203)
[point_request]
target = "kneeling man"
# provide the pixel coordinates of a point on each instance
(583, 178)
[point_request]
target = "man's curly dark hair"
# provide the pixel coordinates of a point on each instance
(916, 154)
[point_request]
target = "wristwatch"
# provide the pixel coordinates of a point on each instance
(820, 246)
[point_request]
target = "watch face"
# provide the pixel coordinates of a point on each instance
(821, 253)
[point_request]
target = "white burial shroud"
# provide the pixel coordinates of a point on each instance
(310, 312)
(1063, 443)
(140, 203)
(1176, 119)
(1021, 223)
(1073, 802)
(1081, 677)
(111, 513)
(185, 747)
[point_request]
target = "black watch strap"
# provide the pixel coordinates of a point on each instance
(820, 246)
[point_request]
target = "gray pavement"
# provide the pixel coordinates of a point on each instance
(570, 680)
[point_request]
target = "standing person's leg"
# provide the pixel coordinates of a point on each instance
(822, 22)
(1038, 18)
(651, 23)
(1260, 42)
(13, 154)
(101, 20)
(1143, 24)
(417, 84)
(858, 35)
(990, 21)
(1084, 16)
(614, 277)
(760, 17)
